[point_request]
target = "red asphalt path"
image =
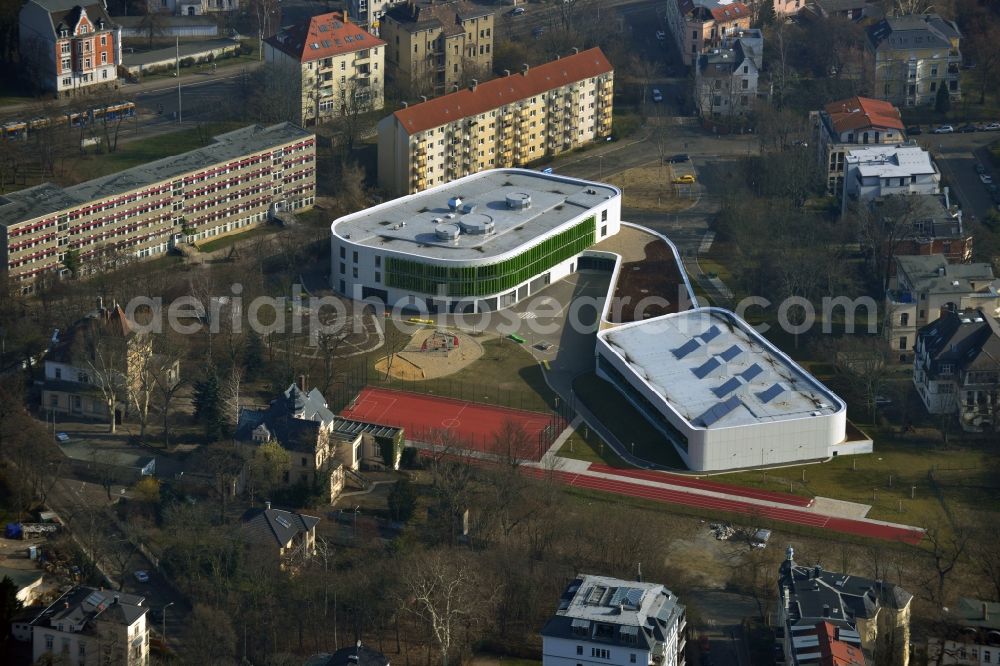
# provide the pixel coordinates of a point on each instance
(796, 516)
(702, 484)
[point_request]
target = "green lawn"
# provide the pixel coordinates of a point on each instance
(959, 478)
(629, 426)
(590, 448)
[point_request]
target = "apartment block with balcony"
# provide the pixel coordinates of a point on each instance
(332, 65)
(956, 369)
(224, 188)
(698, 26)
(609, 621)
(368, 13)
(87, 626)
(924, 287)
(510, 121)
(909, 58)
(69, 47)
(848, 123)
(432, 47)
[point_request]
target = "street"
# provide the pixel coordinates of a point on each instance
(956, 156)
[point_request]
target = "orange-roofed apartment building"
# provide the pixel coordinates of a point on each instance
(333, 67)
(69, 46)
(698, 26)
(848, 123)
(507, 122)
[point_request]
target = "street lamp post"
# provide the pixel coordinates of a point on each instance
(164, 618)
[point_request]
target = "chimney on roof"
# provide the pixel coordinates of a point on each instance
(524, 68)
(826, 610)
(454, 87)
(115, 599)
(473, 85)
(817, 570)
(638, 576)
(65, 604)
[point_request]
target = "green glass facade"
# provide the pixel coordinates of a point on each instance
(487, 279)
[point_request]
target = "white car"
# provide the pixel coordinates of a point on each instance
(944, 129)
(986, 178)
(657, 95)
(660, 35)
(62, 437)
(517, 11)
(992, 127)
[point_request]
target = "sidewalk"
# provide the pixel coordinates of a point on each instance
(130, 90)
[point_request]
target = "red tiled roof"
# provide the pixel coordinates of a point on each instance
(323, 36)
(860, 112)
(836, 652)
(732, 12)
(721, 13)
(504, 90)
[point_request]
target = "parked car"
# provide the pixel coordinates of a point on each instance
(686, 179)
(62, 437)
(944, 129)
(660, 35)
(657, 95)
(142, 576)
(980, 169)
(680, 157)
(967, 128)
(991, 127)
(517, 11)
(986, 178)
(914, 130)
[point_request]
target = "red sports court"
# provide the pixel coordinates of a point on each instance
(474, 424)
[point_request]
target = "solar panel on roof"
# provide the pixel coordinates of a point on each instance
(281, 520)
(349, 38)
(771, 392)
(710, 334)
(719, 410)
(702, 370)
(686, 349)
(751, 372)
(731, 353)
(728, 387)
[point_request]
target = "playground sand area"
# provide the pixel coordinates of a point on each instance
(432, 353)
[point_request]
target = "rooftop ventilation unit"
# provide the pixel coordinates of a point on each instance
(477, 224)
(454, 203)
(448, 232)
(518, 201)
(469, 207)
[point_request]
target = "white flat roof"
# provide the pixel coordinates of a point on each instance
(716, 372)
(411, 223)
(890, 161)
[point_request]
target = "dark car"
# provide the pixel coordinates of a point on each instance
(966, 129)
(680, 157)
(914, 130)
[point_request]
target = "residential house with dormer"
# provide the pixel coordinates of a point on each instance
(698, 26)
(969, 635)
(91, 627)
(287, 535)
(956, 368)
(839, 614)
(69, 47)
(726, 78)
(323, 448)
